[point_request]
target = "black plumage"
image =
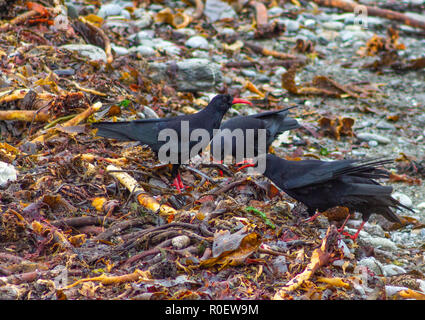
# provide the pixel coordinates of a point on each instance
(321, 185)
(147, 131)
(274, 122)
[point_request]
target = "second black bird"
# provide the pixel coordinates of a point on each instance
(273, 122)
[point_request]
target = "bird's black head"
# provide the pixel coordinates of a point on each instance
(223, 102)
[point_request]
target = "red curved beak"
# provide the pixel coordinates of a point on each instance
(237, 100)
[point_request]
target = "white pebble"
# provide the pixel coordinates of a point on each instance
(180, 242)
(393, 290)
(392, 270)
(7, 173)
(404, 200)
(197, 42)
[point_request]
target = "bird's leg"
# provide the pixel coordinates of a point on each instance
(179, 179)
(177, 184)
(354, 237)
(313, 217)
(343, 225)
(245, 164)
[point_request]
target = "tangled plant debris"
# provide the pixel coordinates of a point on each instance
(83, 217)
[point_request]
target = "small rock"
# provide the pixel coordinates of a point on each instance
(120, 51)
(373, 143)
(384, 125)
(7, 173)
(217, 10)
(87, 50)
(309, 23)
(190, 74)
(144, 21)
(227, 32)
(187, 32)
(280, 265)
(275, 11)
(308, 34)
(392, 270)
(249, 73)
(345, 250)
(142, 35)
(197, 42)
(149, 113)
(393, 290)
(333, 25)
(180, 242)
(377, 242)
(144, 50)
(404, 200)
(373, 136)
(110, 9)
(372, 264)
(421, 205)
(279, 71)
(201, 54)
(330, 36)
(292, 25)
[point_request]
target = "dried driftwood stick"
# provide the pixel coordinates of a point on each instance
(142, 197)
(50, 133)
(373, 11)
(24, 115)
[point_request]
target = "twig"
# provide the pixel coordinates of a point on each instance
(118, 228)
(266, 52)
(142, 197)
(80, 221)
(227, 187)
(50, 133)
(199, 11)
(203, 175)
(373, 11)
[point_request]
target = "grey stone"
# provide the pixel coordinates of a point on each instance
(188, 75)
(404, 199)
(87, 50)
(292, 25)
(197, 42)
(384, 125)
(377, 242)
(201, 54)
(373, 136)
(372, 264)
(144, 21)
(392, 270)
(333, 25)
(275, 11)
(393, 290)
(180, 242)
(110, 9)
(373, 143)
(249, 73)
(121, 51)
(309, 23)
(280, 265)
(146, 51)
(217, 10)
